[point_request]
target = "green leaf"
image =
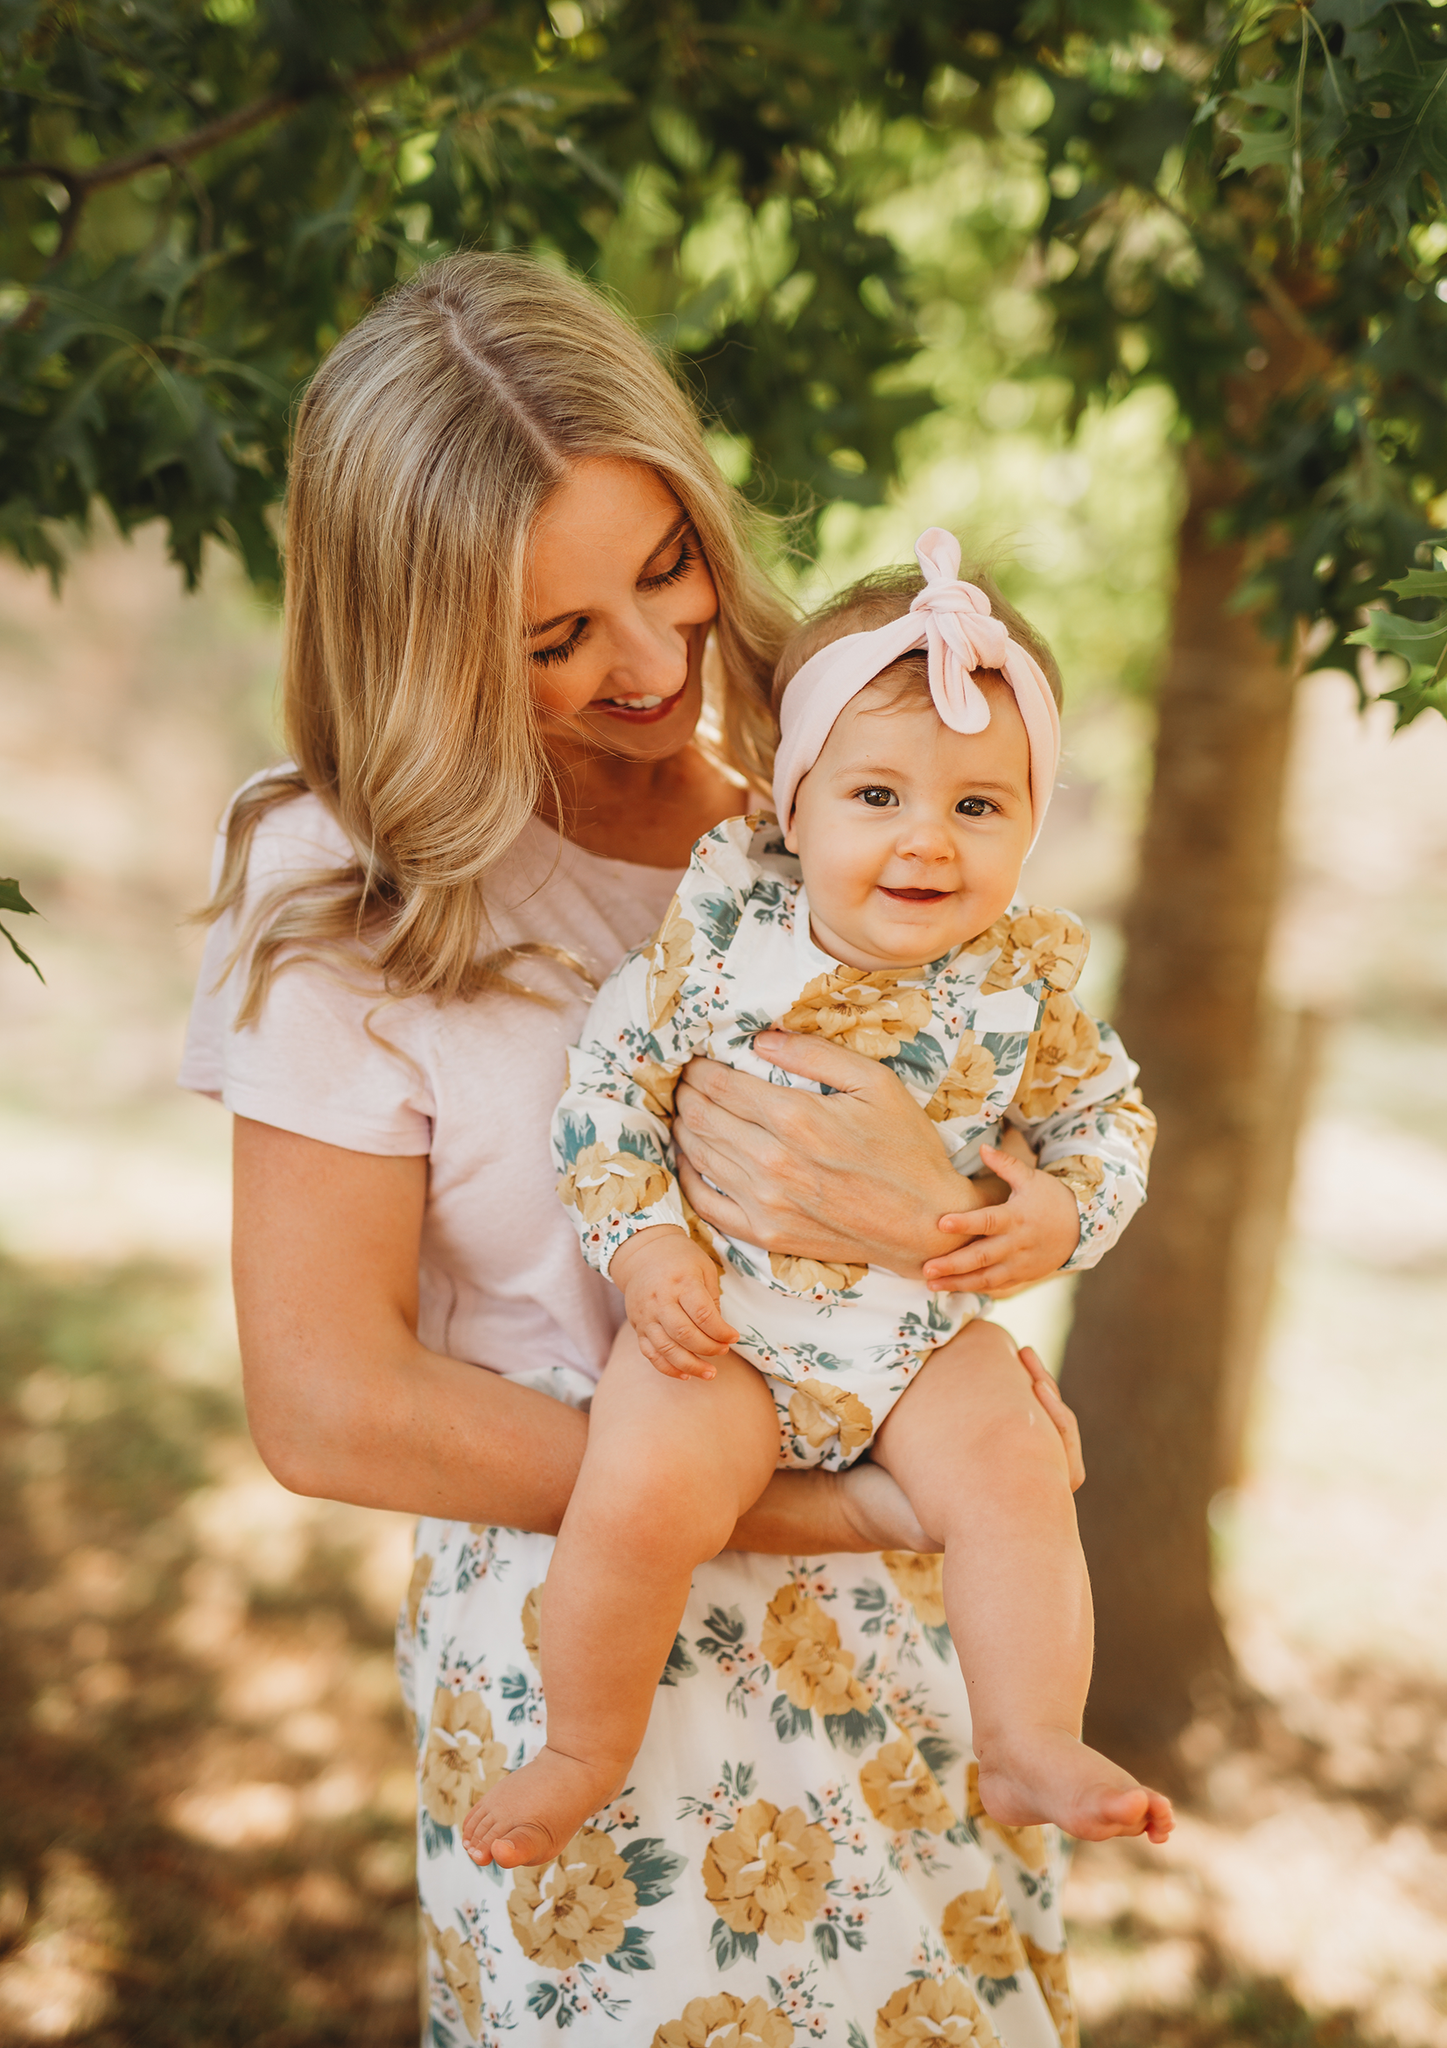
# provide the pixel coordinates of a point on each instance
(654, 1869)
(11, 898)
(19, 951)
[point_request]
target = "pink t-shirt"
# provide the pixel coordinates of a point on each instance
(502, 1281)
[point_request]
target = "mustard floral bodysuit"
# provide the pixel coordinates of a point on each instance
(988, 1036)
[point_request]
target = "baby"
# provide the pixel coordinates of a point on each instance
(919, 746)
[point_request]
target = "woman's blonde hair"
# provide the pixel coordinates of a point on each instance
(426, 445)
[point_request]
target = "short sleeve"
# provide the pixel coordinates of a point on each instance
(330, 1057)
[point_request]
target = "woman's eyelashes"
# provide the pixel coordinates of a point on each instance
(686, 557)
(561, 649)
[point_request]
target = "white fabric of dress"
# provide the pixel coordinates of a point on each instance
(801, 1855)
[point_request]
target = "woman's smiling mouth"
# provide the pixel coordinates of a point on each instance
(641, 710)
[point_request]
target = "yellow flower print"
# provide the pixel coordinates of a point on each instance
(1026, 1845)
(1064, 1051)
(656, 1085)
(767, 1873)
(820, 1413)
(1035, 945)
(870, 1013)
(600, 1181)
(969, 1080)
(461, 1760)
(670, 955)
(532, 1620)
(807, 1274)
(1051, 1970)
(1081, 1173)
(919, 1579)
(416, 1587)
(1131, 1116)
(813, 1668)
(699, 1231)
(900, 1790)
(979, 1933)
(724, 2021)
(572, 1910)
(459, 1966)
(947, 2015)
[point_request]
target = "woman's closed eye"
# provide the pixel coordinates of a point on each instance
(688, 554)
(561, 649)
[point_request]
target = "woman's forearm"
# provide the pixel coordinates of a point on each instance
(406, 1429)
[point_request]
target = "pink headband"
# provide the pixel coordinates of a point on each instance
(953, 620)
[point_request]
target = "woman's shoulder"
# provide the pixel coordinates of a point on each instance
(295, 834)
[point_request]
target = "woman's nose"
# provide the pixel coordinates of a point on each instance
(650, 656)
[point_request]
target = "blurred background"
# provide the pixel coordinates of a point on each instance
(205, 1786)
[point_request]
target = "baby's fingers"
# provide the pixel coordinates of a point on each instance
(704, 1313)
(671, 1359)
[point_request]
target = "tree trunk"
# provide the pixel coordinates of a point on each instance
(1145, 1368)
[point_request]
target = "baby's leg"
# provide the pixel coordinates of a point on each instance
(985, 1473)
(670, 1467)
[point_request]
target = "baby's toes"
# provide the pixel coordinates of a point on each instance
(524, 1842)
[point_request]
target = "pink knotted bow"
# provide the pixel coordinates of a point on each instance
(953, 622)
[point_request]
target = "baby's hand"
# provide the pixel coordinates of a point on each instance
(670, 1289)
(1025, 1238)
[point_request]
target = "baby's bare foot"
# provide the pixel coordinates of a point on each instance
(1048, 1775)
(531, 1814)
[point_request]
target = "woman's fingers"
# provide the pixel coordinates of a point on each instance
(1048, 1395)
(715, 1208)
(818, 1059)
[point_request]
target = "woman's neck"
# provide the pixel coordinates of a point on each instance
(647, 812)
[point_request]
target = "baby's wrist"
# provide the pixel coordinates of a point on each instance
(642, 1249)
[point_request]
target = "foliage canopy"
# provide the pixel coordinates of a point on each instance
(1243, 203)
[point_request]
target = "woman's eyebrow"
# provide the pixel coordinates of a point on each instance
(547, 625)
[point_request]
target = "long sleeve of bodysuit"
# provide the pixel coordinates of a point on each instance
(612, 1133)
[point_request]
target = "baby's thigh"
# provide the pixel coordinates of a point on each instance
(969, 1415)
(675, 1430)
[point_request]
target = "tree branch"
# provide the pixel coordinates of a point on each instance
(79, 184)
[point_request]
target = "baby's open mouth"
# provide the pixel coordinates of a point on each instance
(916, 895)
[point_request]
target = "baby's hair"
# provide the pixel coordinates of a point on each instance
(886, 595)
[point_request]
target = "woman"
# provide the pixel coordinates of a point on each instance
(507, 551)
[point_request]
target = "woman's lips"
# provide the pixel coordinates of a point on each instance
(642, 710)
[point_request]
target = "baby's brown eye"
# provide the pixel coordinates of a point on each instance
(973, 806)
(878, 798)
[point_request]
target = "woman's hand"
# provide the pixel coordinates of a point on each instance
(1048, 1395)
(858, 1175)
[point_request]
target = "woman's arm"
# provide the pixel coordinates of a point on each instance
(343, 1401)
(859, 1174)
(346, 1404)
